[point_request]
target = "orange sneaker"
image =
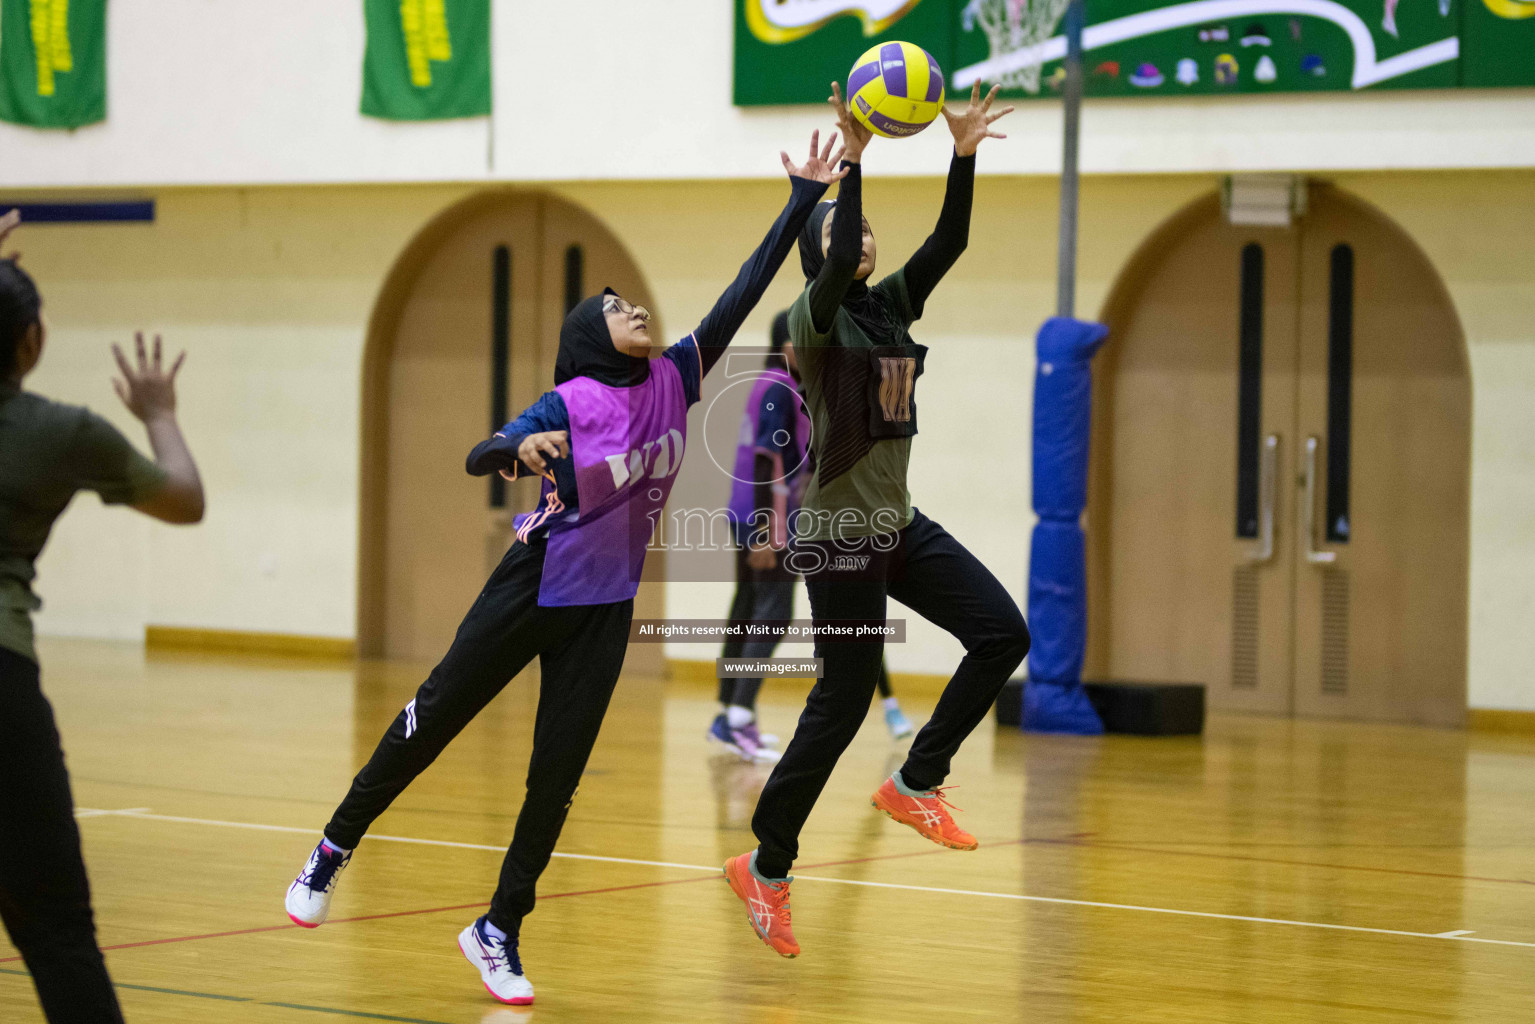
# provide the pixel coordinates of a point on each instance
(928, 814)
(767, 904)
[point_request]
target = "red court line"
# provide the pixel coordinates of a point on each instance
(481, 903)
(182, 938)
(1100, 845)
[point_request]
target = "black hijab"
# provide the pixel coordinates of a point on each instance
(867, 311)
(586, 349)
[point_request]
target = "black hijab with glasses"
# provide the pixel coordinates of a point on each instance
(586, 345)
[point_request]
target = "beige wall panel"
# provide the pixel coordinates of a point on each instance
(272, 288)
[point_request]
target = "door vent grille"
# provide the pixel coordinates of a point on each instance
(1244, 628)
(1335, 631)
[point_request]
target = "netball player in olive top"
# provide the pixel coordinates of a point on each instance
(48, 452)
(860, 542)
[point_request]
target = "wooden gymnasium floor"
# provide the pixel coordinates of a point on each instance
(1273, 871)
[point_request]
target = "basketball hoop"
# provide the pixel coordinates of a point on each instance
(1012, 26)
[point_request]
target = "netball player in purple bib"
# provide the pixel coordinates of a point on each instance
(607, 441)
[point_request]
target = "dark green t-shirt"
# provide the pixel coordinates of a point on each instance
(48, 451)
(871, 496)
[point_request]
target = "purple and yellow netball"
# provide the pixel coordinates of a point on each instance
(895, 89)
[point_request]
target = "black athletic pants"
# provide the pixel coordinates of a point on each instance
(45, 899)
(932, 574)
(763, 596)
(580, 651)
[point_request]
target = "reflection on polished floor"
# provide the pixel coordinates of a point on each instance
(1274, 871)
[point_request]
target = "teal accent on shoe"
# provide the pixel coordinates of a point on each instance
(902, 788)
(898, 724)
(759, 876)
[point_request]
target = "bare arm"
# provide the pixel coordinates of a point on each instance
(149, 392)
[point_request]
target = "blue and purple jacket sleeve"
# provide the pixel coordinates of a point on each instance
(498, 454)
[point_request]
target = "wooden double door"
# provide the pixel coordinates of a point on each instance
(464, 337)
(1280, 491)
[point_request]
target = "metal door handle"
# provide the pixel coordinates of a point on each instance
(1308, 509)
(1268, 469)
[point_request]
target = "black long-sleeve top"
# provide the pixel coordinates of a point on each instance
(927, 265)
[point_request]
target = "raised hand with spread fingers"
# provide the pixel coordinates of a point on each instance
(820, 167)
(971, 125)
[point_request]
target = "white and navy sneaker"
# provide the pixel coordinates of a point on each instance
(308, 900)
(499, 966)
(719, 732)
(759, 744)
(746, 742)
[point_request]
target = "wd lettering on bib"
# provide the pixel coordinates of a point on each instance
(620, 438)
(657, 460)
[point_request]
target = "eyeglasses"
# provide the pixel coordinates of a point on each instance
(612, 302)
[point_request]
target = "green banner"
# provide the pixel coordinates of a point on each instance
(1499, 37)
(426, 59)
(787, 50)
(53, 62)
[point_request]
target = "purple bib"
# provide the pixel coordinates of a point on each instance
(626, 445)
(786, 490)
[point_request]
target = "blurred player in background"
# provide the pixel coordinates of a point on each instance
(48, 452)
(773, 461)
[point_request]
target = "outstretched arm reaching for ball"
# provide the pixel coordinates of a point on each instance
(844, 252)
(808, 182)
(943, 247)
(855, 134)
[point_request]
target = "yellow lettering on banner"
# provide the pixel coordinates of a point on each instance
(412, 18)
(50, 42)
(438, 46)
(58, 38)
(426, 37)
(42, 25)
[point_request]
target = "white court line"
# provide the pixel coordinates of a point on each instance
(143, 812)
(86, 812)
(1459, 936)
(1451, 936)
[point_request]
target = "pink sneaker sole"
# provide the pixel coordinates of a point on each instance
(515, 1001)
